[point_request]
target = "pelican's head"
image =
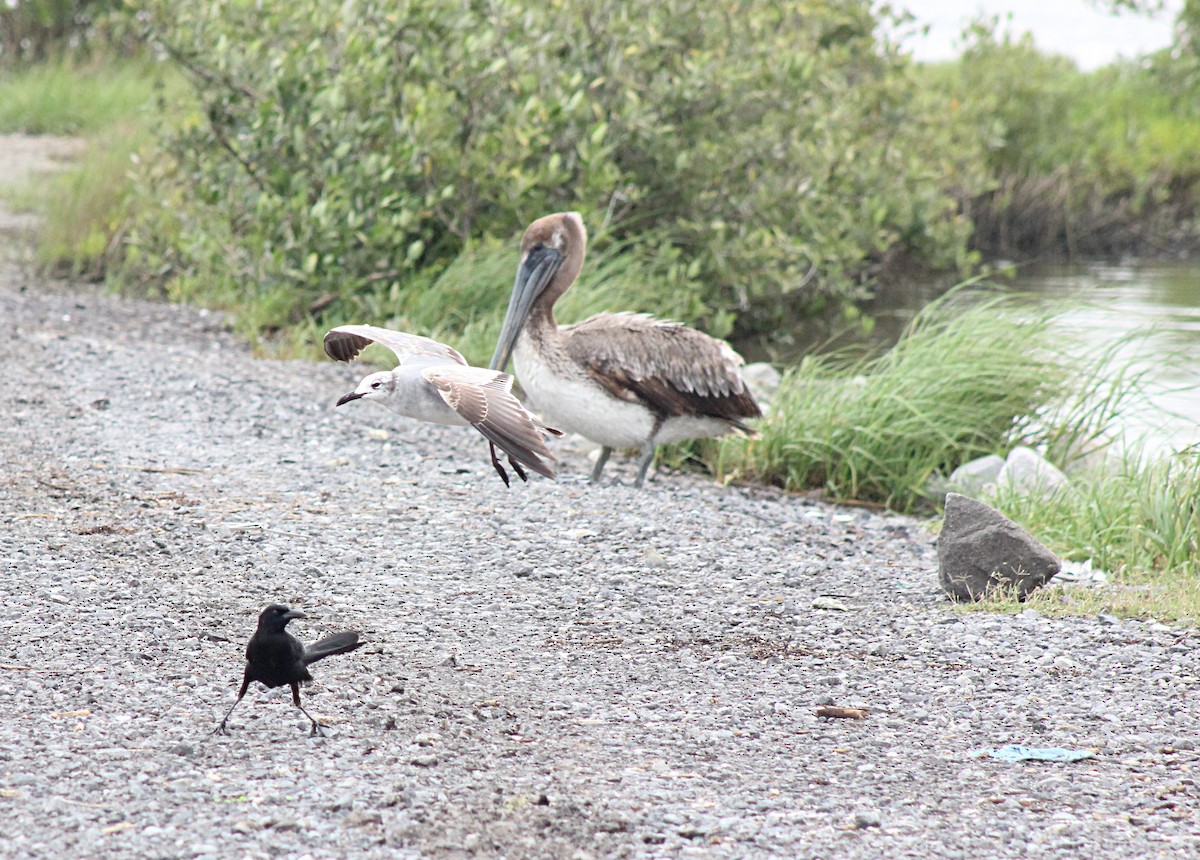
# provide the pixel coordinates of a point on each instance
(552, 252)
(377, 386)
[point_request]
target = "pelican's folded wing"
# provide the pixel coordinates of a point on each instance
(675, 369)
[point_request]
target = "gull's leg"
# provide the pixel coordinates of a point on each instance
(496, 464)
(517, 466)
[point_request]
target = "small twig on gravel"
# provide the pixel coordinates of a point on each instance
(842, 713)
(245, 527)
(168, 470)
(84, 803)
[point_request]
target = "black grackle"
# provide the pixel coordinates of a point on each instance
(275, 657)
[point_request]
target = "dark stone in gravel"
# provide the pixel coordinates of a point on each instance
(981, 551)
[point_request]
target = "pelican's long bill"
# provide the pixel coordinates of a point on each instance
(536, 270)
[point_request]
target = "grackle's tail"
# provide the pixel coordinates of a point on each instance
(338, 643)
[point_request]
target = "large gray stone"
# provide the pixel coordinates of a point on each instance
(763, 380)
(978, 473)
(1029, 472)
(980, 550)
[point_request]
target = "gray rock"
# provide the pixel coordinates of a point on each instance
(974, 476)
(1028, 472)
(763, 380)
(980, 550)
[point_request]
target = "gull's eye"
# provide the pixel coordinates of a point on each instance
(376, 384)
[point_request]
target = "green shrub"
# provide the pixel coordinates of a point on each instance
(350, 150)
(1080, 164)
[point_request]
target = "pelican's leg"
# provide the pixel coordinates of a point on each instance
(643, 467)
(496, 463)
(600, 461)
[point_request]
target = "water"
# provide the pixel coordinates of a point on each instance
(1148, 312)
(1158, 304)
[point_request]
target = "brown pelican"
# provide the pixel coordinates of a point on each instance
(623, 380)
(433, 382)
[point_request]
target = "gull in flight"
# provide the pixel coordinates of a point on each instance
(434, 383)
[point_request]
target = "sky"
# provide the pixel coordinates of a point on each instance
(1075, 28)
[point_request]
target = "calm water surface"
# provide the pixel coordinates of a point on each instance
(1158, 303)
(1151, 310)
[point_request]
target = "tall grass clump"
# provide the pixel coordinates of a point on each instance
(83, 207)
(73, 98)
(970, 376)
(1134, 515)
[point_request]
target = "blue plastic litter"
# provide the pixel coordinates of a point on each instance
(1015, 752)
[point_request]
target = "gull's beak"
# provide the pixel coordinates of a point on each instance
(346, 398)
(537, 269)
(293, 613)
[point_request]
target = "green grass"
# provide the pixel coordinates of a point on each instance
(977, 376)
(71, 99)
(965, 379)
(1136, 518)
(84, 207)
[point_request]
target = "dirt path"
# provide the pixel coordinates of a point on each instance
(555, 670)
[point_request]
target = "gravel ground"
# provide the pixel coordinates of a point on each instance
(556, 670)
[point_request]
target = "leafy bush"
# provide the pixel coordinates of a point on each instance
(1096, 163)
(343, 152)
